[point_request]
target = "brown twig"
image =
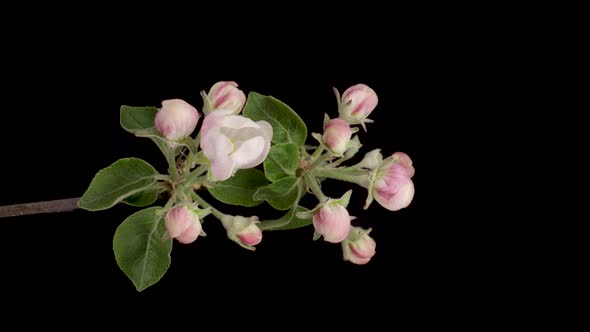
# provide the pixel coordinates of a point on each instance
(58, 205)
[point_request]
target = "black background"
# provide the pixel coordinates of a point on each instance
(488, 103)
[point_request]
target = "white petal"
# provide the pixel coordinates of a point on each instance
(266, 129)
(223, 169)
(250, 153)
(241, 134)
(238, 121)
(215, 145)
(212, 120)
(217, 148)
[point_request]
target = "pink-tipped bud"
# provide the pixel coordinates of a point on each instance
(225, 96)
(357, 103)
(393, 187)
(250, 236)
(243, 230)
(360, 247)
(332, 221)
(183, 224)
(337, 134)
(176, 119)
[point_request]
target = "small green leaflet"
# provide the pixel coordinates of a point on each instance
(137, 119)
(140, 122)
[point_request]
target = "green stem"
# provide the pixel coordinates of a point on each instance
(189, 162)
(315, 188)
(317, 157)
(162, 177)
(168, 153)
(192, 176)
(174, 174)
(338, 162)
(162, 188)
(360, 177)
(170, 202)
(319, 161)
(218, 214)
(318, 151)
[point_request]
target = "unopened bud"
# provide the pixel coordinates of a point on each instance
(182, 224)
(224, 96)
(332, 221)
(176, 119)
(356, 103)
(337, 133)
(359, 248)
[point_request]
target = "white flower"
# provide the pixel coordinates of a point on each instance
(233, 142)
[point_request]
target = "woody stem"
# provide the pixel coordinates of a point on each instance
(59, 205)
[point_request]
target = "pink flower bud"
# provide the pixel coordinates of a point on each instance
(250, 236)
(242, 230)
(393, 187)
(337, 134)
(183, 224)
(332, 221)
(360, 248)
(176, 119)
(405, 161)
(233, 142)
(357, 103)
(226, 96)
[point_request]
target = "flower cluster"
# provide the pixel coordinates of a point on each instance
(388, 180)
(229, 141)
(248, 151)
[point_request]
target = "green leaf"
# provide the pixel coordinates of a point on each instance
(282, 194)
(140, 122)
(286, 222)
(282, 161)
(140, 248)
(142, 198)
(240, 188)
(124, 178)
(137, 119)
(287, 126)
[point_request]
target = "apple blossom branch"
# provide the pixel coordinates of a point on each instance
(248, 151)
